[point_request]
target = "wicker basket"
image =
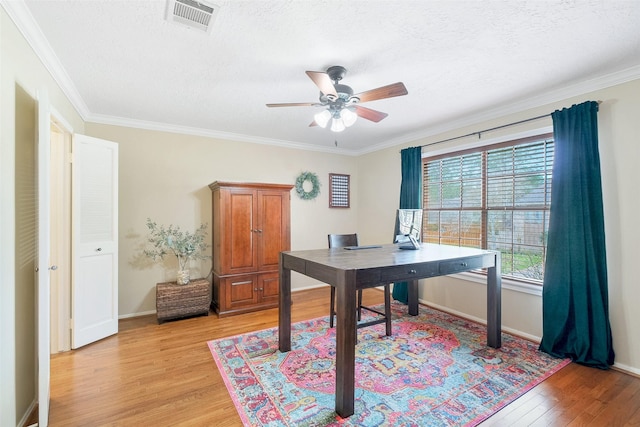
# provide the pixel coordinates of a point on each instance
(177, 301)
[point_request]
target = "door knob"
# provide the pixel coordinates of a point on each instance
(53, 267)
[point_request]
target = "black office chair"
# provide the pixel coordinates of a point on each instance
(340, 241)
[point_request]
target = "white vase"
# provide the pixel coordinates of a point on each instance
(182, 277)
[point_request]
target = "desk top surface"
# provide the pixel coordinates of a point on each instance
(386, 255)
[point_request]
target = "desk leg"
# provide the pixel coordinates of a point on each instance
(494, 306)
(345, 342)
(284, 308)
(412, 294)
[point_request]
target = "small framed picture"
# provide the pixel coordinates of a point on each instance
(338, 190)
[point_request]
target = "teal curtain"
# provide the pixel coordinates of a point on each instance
(410, 198)
(575, 302)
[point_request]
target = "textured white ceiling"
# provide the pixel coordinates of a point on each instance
(458, 59)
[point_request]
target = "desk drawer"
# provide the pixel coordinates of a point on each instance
(460, 265)
(408, 272)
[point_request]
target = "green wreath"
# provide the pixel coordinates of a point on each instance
(315, 183)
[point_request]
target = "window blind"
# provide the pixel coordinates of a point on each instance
(495, 197)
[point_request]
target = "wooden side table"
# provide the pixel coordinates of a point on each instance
(175, 301)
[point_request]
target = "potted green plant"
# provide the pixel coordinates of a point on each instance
(184, 245)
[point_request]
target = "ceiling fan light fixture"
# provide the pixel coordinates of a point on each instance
(338, 101)
(337, 125)
(348, 116)
(322, 118)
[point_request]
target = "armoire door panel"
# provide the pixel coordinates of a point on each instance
(241, 239)
(269, 286)
(270, 214)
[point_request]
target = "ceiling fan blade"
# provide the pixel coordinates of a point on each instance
(294, 104)
(389, 91)
(323, 81)
(369, 114)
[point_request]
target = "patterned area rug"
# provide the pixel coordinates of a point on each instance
(435, 370)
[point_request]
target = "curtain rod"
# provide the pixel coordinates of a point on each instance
(480, 132)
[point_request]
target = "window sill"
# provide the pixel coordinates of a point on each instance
(513, 285)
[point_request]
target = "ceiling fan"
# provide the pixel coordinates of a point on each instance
(341, 106)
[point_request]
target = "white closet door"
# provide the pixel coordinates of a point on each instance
(95, 240)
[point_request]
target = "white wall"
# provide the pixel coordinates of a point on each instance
(619, 133)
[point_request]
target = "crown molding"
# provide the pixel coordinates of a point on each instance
(568, 91)
(208, 133)
(26, 24)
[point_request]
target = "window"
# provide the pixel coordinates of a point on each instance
(494, 197)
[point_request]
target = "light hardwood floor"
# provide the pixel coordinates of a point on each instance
(163, 375)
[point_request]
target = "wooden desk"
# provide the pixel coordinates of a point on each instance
(350, 270)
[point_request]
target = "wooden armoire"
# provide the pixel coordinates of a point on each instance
(251, 226)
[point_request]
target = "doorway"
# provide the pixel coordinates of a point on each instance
(60, 190)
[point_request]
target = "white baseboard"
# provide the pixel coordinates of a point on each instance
(142, 313)
(627, 369)
(27, 414)
(618, 366)
(309, 287)
(481, 321)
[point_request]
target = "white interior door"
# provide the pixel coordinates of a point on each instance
(95, 239)
(43, 268)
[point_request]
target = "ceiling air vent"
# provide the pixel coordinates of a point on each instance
(192, 14)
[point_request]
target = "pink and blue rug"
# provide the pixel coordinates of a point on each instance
(436, 370)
